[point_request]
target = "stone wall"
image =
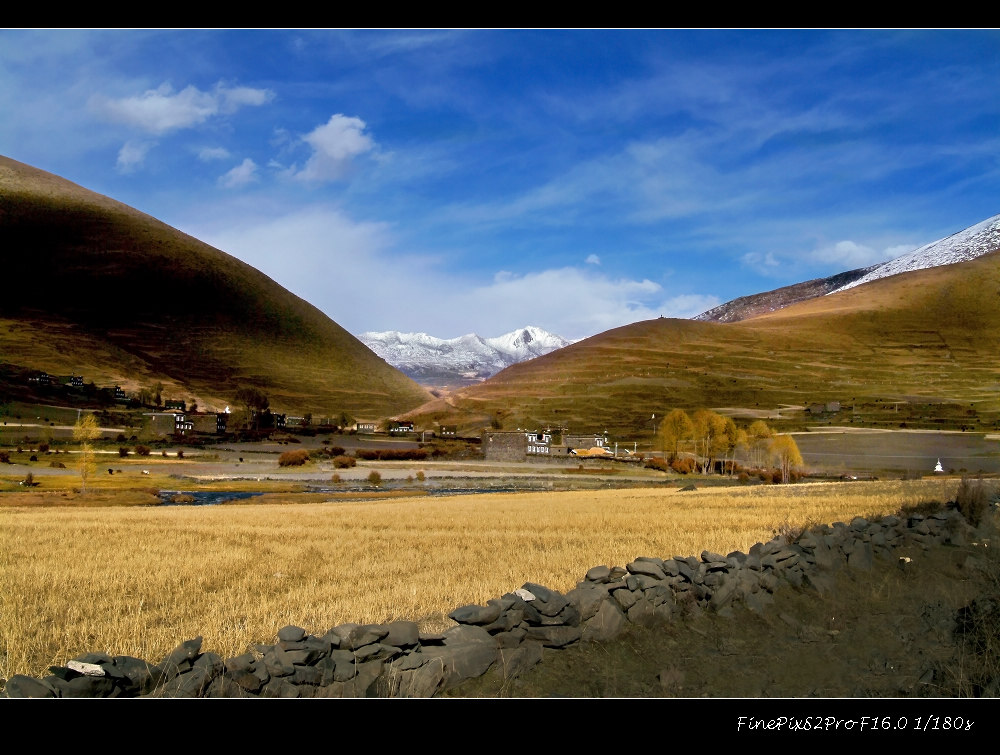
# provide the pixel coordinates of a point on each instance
(509, 633)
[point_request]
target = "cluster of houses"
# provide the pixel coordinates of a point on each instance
(519, 445)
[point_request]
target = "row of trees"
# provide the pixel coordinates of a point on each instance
(712, 437)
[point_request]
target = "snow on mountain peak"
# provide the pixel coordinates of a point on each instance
(973, 242)
(468, 358)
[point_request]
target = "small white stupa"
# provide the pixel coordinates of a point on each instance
(938, 467)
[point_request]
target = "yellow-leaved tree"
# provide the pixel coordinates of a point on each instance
(785, 452)
(84, 432)
(675, 429)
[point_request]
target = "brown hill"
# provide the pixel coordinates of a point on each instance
(99, 289)
(925, 340)
(770, 301)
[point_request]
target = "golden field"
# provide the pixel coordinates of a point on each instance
(137, 580)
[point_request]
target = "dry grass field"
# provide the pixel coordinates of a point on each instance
(137, 580)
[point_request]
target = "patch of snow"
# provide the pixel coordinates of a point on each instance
(470, 354)
(963, 246)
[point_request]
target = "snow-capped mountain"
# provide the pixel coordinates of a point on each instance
(459, 361)
(975, 241)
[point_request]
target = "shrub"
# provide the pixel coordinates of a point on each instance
(390, 454)
(142, 450)
(163, 453)
(4, 457)
(973, 500)
(33, 458)
(744, 478)
(683, 465)
(293, 458)
(655, 462)
(343, 462)
(421, 476)
(123, 452)
(180, 454)
(335, 478)
(43, 448)
(374, 477)
(57, 464)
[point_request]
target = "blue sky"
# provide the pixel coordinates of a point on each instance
(453, 181)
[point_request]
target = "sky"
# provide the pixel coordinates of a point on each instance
(454, 181)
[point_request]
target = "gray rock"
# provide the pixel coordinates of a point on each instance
(402, 634)
(473, 614)
(599, 574)
(291, 634)
(22, 686)
(512, 662)
(606, 624)
(555, 637)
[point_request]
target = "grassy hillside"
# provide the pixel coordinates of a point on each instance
(919, 348)
(99, 289)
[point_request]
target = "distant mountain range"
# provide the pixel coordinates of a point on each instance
(468, 359)
(965, 245)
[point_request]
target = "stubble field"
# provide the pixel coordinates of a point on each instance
(138, 580)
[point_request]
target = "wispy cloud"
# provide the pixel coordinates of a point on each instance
(350, 269)
(161, 110)
(593, 259)
(207, 154)
(850, 254)
(132, 155)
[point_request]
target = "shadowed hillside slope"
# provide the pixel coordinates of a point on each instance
(99, 289)
(927, 338)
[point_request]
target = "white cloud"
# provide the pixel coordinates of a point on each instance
(758, 260)
(593, 259)
(131, 156)
(571, 302)
(232, 100)
(161, 110)
(689, 305)
(850, 254)
(350, 270)
(206, 154)
(241, 175)
(335, 144)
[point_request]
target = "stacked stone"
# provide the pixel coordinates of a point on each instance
(509, 633)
